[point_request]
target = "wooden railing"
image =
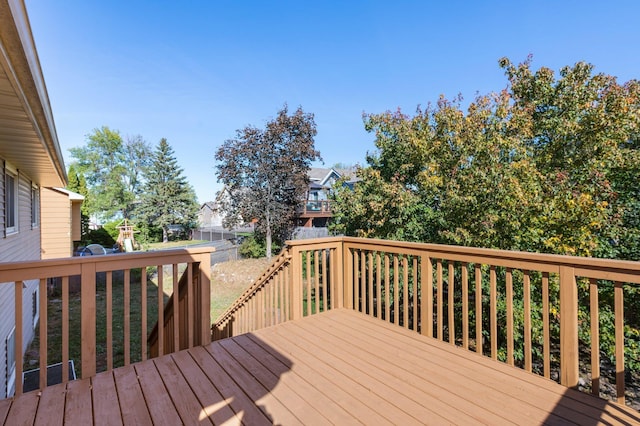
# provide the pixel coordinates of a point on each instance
(310, 207)
(97, 279)
(515, 307)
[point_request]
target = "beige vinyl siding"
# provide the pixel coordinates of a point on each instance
(22, 245)
(55, 223)
(76, 221)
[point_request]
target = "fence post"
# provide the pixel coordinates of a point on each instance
(88, 319)
(568, 327)
(296, 283)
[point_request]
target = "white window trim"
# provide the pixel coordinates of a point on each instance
(13, 172)
(10, 371)
(35, 206)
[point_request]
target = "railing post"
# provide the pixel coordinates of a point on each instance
(339, 273)
(296, 284)
(568, 327)
(347, 281)
(205, 298)
(88, 321)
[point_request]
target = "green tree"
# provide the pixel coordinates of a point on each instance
(112, 169)
(78, 185)
(167, 198)
(265, 172)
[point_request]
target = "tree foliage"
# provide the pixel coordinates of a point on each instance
(548, 164)
(112, 169)
(78, 184)
(265, 172)
(167, 198)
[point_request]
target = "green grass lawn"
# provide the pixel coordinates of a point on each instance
(173, 244)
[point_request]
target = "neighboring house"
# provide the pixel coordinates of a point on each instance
(315, 210)
(30, 164)
(209, 215)
(61, 222)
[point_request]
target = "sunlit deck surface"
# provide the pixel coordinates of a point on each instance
(338, 367)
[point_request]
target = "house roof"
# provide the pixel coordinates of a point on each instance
(212, 205)
(28, 138)
(73, 196)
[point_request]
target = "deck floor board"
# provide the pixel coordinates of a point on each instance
(338, 367)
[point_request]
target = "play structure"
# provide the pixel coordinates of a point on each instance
(126, 240)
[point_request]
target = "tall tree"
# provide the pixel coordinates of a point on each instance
(167, 197)
(545, 165)
(112, 169)
(78, 185)
(265, 172)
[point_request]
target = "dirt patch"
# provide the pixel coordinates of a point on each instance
(230, 279)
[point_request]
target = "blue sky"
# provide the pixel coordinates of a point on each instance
(195, 71)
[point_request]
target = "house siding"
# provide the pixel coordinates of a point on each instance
(22, 245)
(56, 224)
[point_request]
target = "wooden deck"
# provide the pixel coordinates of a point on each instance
(338, 367)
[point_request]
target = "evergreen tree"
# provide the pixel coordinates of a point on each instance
(167, 198)
(78, 184)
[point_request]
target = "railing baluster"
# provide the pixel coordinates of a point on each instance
(309, 299)
(143, 313)
(619, 324)
(527, 321)
(44, 349)
(478, 280)
(595, 336)
(325, 279)
(465, 305)
(316, 270)
(176, 307)
(18, 334)
(427, 296)
(370, 298)
(109, 309)
(509, 297)
(396, 298)
(363, 282)
(546, 341)
(160, 275)
(451, 290)
(440, 300)
(65, 329)
(190, 303)
(127, 316)
(378, 285)
(493, 312)
(387, 287)
(414, 287)
(405, 292)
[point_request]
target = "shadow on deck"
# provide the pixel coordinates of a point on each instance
(337, 367)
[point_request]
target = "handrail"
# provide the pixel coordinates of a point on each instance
(98, 278)
(516, 307)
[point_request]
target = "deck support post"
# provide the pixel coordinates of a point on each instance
(339, 273)
(347, 282)
(88, 321)
(568, 327)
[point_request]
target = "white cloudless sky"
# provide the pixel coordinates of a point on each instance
(197, 70)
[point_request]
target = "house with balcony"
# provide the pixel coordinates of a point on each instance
(315, 210)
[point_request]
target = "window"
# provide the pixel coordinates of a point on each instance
(10, 200)
(10, 372)
(35, 206)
